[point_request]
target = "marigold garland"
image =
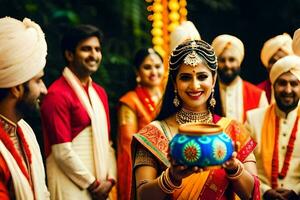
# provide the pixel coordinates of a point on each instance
(165, 16)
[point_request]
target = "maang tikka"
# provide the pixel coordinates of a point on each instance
(176, 101)
(192, 59)
(212, 101)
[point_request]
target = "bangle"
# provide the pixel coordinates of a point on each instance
(238, 173)
(169, 182)
(112, 181)
(93, 186)
(162, 185)
(142, 182)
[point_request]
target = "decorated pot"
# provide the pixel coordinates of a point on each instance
(203, 145)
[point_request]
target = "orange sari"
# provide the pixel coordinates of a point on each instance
(211, 184)
(139, 101)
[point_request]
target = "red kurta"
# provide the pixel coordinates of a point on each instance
(6, 184)
(63, 115)
(266, 86)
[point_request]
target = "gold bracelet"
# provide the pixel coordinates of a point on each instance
(162, 185)
(169, 182)
(238, 174)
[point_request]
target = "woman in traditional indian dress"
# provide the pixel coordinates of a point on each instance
(137, 109)
(189, 98)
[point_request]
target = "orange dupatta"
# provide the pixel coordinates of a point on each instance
(268, 139)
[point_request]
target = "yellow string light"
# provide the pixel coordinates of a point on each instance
(173, 15)
(182, 10)
(165, 16)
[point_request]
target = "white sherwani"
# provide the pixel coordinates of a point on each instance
(255, 120)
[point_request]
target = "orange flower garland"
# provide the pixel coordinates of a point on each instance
(165, 16)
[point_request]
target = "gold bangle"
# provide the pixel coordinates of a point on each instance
(162, 185)
(169, 181)
(238, 174)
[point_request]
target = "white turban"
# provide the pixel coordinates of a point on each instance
(225, 41)
(186, 30)
(296, 42)
(289, 63)
(271, 46)
(23, 51)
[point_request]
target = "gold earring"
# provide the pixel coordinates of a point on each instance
(176, 101)
(212, 101)
(138, 79)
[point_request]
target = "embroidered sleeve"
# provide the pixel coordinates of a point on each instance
(144, 158)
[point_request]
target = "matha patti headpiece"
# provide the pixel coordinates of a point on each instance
(193, 52)
(192, 59)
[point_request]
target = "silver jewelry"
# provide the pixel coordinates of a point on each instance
(192, 59)
(193, 52)
(176, 101)
(212, 101)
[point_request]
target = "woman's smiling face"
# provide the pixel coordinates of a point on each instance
(194, 86)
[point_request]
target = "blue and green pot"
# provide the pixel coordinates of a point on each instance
(203, 145)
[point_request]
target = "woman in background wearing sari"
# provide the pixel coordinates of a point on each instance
(137, 109)
(189, 98)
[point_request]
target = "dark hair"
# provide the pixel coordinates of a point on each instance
(74, 35)
(4, 93)
(141, 54)
(204, 51)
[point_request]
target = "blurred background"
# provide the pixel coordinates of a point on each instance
(126, 28)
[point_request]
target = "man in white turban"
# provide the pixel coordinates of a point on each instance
(234, 96)
(274, 49)
(276, 131)
(23, 51)
(296, 42)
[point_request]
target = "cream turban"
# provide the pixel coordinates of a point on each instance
(289, 63)
(186, 30)
(23, 51)
(271, 46)
(225, 41)
(296, 42)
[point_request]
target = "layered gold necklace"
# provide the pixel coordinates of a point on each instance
(185, 116)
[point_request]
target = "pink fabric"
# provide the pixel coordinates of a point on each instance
(63, 115)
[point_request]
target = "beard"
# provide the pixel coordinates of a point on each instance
(228, 75)
(27, 108)
(284, 106)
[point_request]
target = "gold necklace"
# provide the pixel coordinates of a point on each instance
(185, 116)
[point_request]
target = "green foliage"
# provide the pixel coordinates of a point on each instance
(126, 28)
(219, 4)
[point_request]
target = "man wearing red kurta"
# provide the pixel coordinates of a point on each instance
(80, 160)
(274, 49)
(23, 51)
(234, 96)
